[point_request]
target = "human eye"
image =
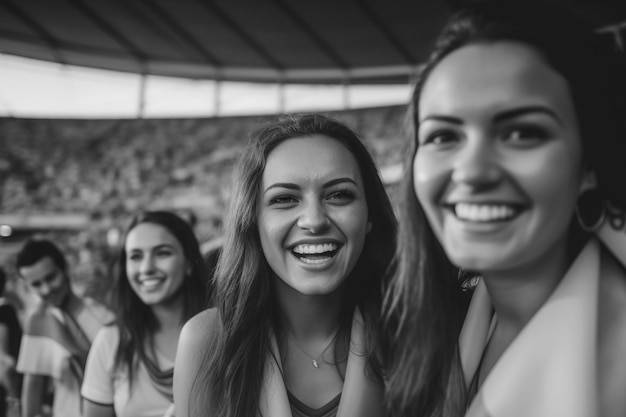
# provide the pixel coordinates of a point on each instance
(134, 256)
(342, 195)
(283, 200)
(163, 253)
(525, 135)
(438, 137)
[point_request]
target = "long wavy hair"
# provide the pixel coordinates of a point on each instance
(425, 304)
(248, 310)
(136, 320)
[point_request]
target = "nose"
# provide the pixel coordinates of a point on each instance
(313, 217)
(147, 264)
(477, 164)
(44, 290)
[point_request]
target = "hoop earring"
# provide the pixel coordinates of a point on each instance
(590, 210)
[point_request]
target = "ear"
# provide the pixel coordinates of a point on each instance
(369, 227)
(589, 181)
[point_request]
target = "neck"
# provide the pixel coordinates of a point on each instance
(169, 315)
(72, 303)
(309, 316)
(517, 294)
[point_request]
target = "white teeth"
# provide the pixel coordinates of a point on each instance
(315, 249)
(150, 282)
(314, 261)
(483, 212)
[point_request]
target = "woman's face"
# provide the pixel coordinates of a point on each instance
(155, 263)
(499, 161)
(312, 217)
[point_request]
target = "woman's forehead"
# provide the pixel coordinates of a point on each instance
(493, 75)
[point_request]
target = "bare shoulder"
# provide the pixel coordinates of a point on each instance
(200, 330)
(101, 312)
(196, 339)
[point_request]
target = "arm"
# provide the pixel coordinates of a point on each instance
(98, 389)
(192, 343)
(92, 409)
(35, 381)
(8, 376)
(32, 395)
(4, 338)
(6, 362)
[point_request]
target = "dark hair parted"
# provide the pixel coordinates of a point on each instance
(136, 321)
(424, 307)
(233, 368)
(3, 280)
(34, 250)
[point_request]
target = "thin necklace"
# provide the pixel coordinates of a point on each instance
(314, 360)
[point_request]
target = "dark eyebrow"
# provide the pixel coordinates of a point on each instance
(507, 114)
(49, 275)
(161, 246)
(522, 111)
(287, 185)
(442, 118)
(339, 181)
(292, 186)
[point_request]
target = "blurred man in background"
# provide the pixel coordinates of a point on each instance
(10, 336)
(57, 334)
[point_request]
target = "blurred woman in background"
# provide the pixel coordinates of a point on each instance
(160, 283)
(10, 338)
(517, 180)
(308, 236)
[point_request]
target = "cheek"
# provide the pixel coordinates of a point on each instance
(131, 270)
(553, 181)
(59, 282)
(354, 226)
(272, 231)
(429, 181)
(177, 268)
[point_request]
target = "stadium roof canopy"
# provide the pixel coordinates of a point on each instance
(290, 41)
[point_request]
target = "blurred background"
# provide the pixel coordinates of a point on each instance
(109, 107)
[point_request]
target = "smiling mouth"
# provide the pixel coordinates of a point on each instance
(485, 213)
(315, 254)
(149, 283)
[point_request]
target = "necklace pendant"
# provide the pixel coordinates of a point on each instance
(315, 363)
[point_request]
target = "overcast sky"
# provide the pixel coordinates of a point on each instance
(31, 88)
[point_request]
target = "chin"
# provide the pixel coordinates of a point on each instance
(473, 262)
(319, 290)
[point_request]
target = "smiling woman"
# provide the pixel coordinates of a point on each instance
(499, 165)
(519, 119)
(309, 234)
(161, 282)
(312, 213)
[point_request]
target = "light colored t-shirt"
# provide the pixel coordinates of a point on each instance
(43, 353)
(103, 384)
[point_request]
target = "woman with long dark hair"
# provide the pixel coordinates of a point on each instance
(308, 236)
(160, 283)
(514, 195)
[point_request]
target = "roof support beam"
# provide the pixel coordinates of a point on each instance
(123, 41)
(311, 33)
(183, 34)
(245, 36)
(386, 31)
(47, 37)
